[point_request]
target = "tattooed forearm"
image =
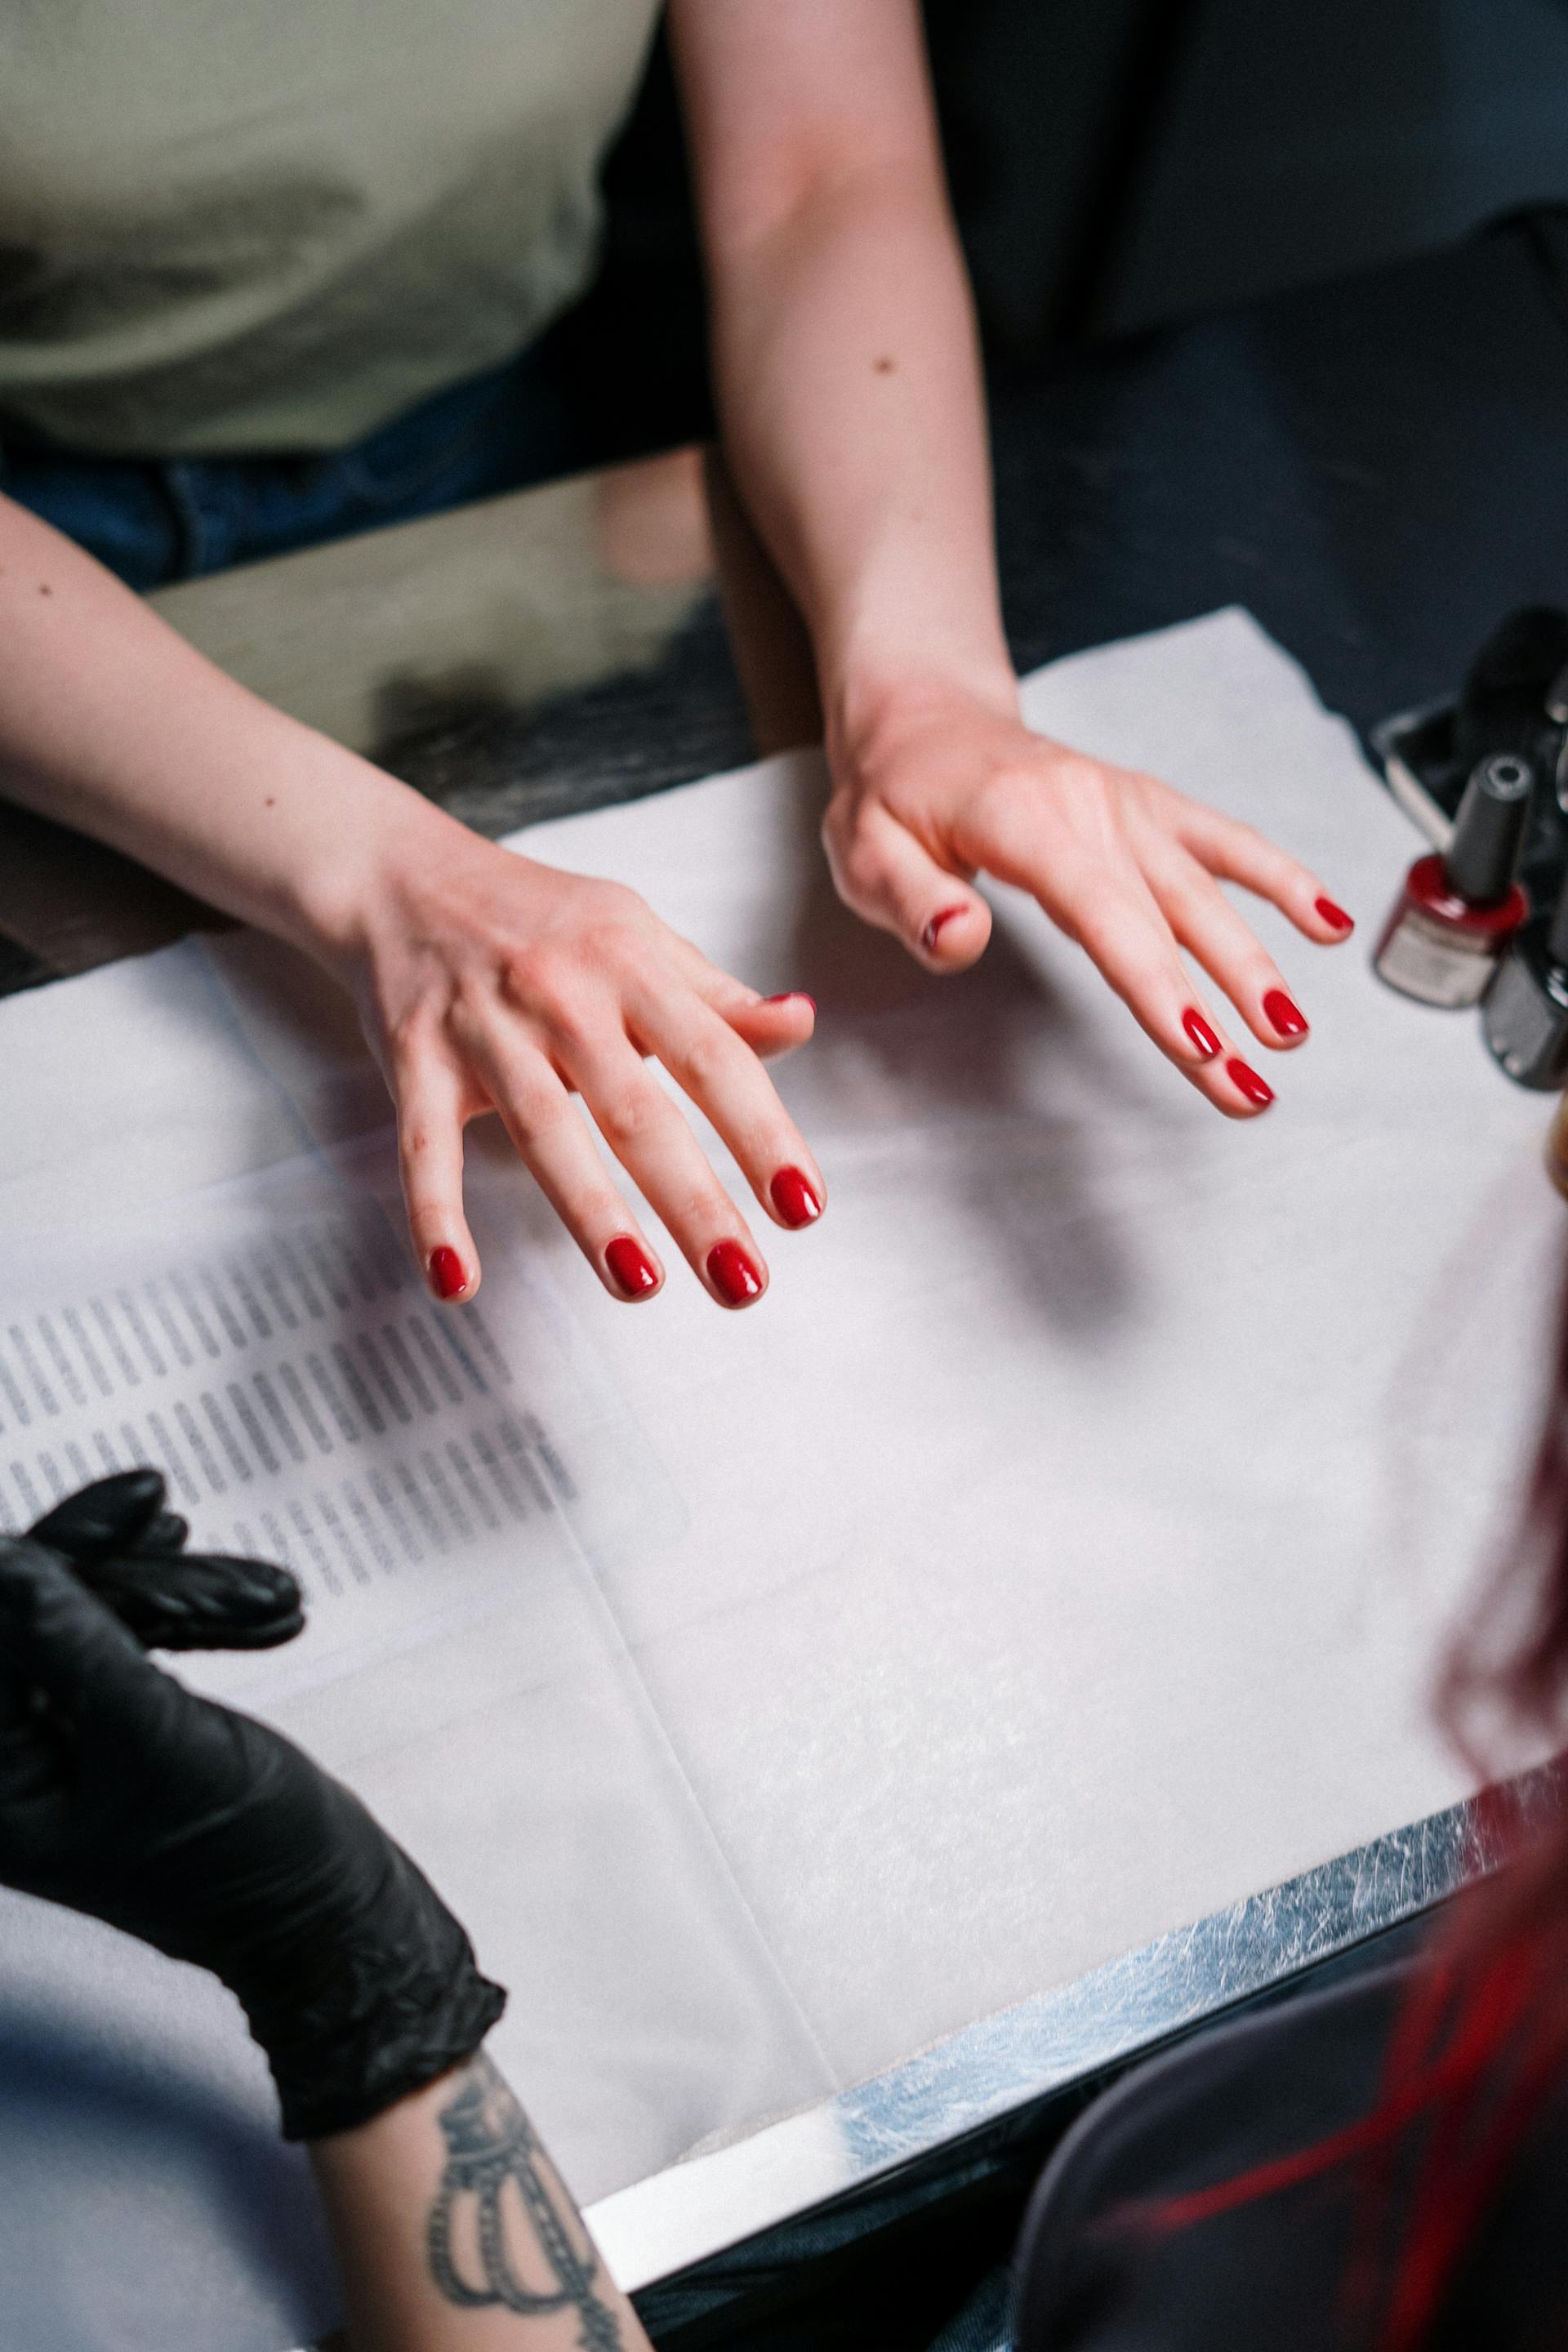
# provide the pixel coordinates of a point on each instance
(501, 2230)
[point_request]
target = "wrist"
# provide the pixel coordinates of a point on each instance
(360, 864)
(357, 1983)
(878, 706)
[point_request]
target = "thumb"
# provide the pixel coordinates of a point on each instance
(883, 872)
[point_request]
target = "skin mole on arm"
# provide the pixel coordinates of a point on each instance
(883, 366)
(44, 588)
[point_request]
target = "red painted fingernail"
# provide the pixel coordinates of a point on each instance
(630, 1267)
(1287, 1018)
(447, 1273)
(794, 1197)
(732, 1274)
(1246, 1082)
(1204, 1042)
(792, 996)
(1335, 916)
(936, 926)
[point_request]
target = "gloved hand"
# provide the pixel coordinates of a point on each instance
(214, 1839)
(130, 1550)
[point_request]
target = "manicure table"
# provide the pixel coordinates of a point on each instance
(1099, 1703)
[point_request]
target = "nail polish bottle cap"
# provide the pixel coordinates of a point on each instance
(1557, 937)
(1488, 830)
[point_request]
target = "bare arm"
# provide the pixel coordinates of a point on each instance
(849, 388)
(455, 2233)
(485, 981)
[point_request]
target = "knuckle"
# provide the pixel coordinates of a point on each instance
(708, 1059)
(848, 826)
(532, 1119)
(526, 977)
(409, 1034)
(614, 924)
(617, 903)
(1088, 781)
(998, 798)
(862, 863)
(608, 946)
(697, 1209)
(418, 1143)
(627, 1119)
(576, 1031)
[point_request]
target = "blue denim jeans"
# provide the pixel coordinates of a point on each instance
(173, 519)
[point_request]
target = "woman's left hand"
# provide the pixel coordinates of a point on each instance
(946, 784)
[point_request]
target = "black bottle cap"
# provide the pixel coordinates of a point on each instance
(1488, 830)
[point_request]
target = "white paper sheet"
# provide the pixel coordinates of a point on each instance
(1060, 1552)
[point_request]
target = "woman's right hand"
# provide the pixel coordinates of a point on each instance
(485, 980)
(488, 982)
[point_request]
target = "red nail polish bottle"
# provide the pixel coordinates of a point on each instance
(1459, 910)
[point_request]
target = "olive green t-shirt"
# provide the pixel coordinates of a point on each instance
(229, 226)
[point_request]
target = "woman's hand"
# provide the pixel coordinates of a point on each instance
(946, 784)
(484, 980)
(487, 981)
(847, 365)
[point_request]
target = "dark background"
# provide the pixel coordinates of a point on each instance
(1122, 164)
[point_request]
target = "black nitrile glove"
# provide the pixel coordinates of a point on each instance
(130, 1550)
(214, 1839)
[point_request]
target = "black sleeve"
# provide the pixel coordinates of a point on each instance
(1098, 2271)
(1099, 2268)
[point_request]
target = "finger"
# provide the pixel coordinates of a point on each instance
(775, 1026)
(162, 1536)
(1233, 852)
(553, 1143)
(430, 1106)
(724, 1079)
(883, 872)
(1211, 929)
(112, 1514)
(1120, 926)
(770, 1026)
(205, 1600)
(659, 1151)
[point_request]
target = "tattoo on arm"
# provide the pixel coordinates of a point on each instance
(500, 2230)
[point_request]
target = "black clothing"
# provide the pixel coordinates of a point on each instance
(1270, 2272)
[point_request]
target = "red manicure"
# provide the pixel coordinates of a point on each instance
(1204, 1042)
(794, 1197)
(792, 996)
(1287, 1018)
(732, 1275)
(934, 928)
(1247, 1082)
(1335, 916)
(447, 1273)
(630, 1267)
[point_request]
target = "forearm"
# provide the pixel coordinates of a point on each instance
(845, 350)
(405, 2196)
(851, 390)
(109, 721)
